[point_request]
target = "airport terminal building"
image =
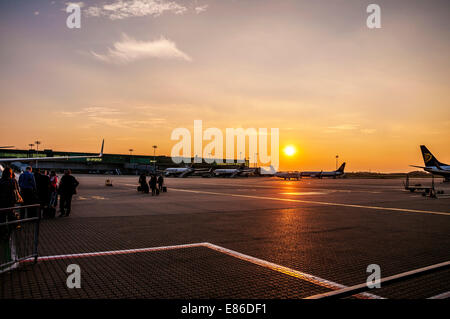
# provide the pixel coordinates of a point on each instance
(116, 164)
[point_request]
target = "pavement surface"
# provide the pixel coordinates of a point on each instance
(239, 238)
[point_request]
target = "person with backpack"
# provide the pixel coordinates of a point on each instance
(152, 184)
(160, 183)
(143, 186)
(67, 188)
(9, 197)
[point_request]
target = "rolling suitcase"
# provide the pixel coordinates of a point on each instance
(164, 189)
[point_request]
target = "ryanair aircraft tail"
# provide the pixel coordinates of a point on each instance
(429, 158)
(341, 168)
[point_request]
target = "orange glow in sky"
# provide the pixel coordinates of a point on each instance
(315, 71)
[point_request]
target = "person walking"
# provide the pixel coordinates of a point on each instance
(9, 197)
(143, 184)
(53, 189)
(160, 182)
(67, 188)
(42, 188)
(9, 190)
(152, 183)
(27, 186)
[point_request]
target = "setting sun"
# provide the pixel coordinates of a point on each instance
(289, 150)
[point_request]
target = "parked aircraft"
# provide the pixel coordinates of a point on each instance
(184, 171)
(233, 172)
(17, 162)
(297, 175)
(432, 165)
(288, 175)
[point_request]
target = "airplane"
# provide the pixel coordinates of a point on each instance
(16, 161)
(432, 165)
(184, 171)
(321, 174)
(298, 175)
(233, 172)
(6, 146)
(289, 174)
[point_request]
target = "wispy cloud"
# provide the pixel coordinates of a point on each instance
(201, 9)
(79, 3)
(349, 128)
(98, 115)
(344, 127)
(121, 9)
(129, 49)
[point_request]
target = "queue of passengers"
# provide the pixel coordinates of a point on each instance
(155, 184)
(38, 188)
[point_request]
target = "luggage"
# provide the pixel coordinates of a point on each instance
(49, 212)
(139, 189)
(157, 192)
(164, 189)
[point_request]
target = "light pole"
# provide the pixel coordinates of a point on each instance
(131, 153)
(31, 148)
(37, 145)
(37, 151)
(256, 160)
(337, 156)
(154, 157)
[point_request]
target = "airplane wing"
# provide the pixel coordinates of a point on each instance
(417, 166)
(234, 174)
(184, 174)
(16, 159)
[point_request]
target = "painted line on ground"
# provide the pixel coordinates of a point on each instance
(405, 210)
(256, 261)
(115, 252)
(444, 295)
(350, 291)
(287, 271)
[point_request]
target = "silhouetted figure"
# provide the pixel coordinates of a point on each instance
(9, 196)
(160, 182)
(53, 189)
(152, 184)
(9, 190)
(67, 188)
(43, 188)
(27, 186)
(143, 184)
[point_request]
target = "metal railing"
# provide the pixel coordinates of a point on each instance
(19, 235)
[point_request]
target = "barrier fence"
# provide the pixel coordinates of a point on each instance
(19, 235)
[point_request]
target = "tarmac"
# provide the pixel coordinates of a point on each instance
(233, 238)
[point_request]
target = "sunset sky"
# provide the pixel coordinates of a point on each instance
(138, 69)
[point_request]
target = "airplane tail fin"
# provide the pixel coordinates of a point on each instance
(428, 157)
(341, 168)
(101, 150)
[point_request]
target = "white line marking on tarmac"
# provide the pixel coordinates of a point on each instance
(285, 270)
(444, 295)
(116, 252)
(348, 291)
(406, 210)
(260, 262)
